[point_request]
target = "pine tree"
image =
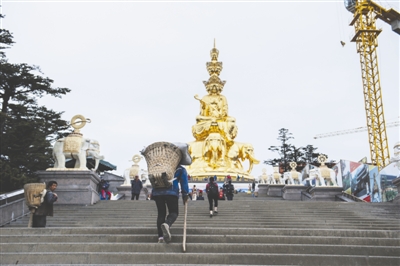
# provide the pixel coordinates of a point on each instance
(26, 128)
(284, 150)
(290, 153)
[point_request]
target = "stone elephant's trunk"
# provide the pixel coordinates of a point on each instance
(97, 157)
(94, 151)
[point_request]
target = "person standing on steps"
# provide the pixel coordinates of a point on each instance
(229, 190)
(221, 195)
(194, 192)
(46, 208)
(200, 197)
(253, 188)
(212, 194)
(136, 187)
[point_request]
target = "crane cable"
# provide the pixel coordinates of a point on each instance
(339, 10)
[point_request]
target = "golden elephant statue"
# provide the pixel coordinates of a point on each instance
(214, 150)
(242, 151)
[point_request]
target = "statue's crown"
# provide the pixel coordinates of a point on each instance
(214, 68)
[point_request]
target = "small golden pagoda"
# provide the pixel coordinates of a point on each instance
(214, 151)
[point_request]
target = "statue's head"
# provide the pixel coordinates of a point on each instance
(214, 85)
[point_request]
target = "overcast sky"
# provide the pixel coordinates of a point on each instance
(133, 68)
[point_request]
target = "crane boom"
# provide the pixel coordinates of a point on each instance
(366, 13)
(354, 130)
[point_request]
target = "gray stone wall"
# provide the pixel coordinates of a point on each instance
(74, 187)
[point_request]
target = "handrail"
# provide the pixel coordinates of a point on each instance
(11, 196)
(352, 197)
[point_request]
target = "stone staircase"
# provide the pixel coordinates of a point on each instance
(246, 231)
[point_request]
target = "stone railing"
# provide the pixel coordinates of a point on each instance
(351, 197)
(305, 196)
(12, 206)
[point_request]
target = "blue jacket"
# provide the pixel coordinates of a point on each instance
(136, 186)
(181, 178)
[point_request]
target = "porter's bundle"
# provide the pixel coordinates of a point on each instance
(162, 159)
(34, 194)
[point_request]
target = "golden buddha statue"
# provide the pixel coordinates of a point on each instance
(214, 151)
(213, 115)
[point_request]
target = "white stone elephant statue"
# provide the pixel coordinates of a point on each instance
(275, 179)
(82, 148)
(293, 177)
(322, 179)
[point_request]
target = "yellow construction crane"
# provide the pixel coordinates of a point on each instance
(365, 15)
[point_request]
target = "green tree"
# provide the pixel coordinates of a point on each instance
(26, 128)
(284, 150)
(291, 153)
(310, 155)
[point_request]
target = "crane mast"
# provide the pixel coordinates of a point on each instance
(365, 15)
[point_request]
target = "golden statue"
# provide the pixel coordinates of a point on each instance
(214, 151)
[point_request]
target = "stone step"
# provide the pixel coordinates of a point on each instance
(276, 248)
(246, 231)
(222, 239)
(203, 230)
(174, 258)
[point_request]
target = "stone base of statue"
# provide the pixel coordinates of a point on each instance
(262, 190)
(221, 176)
(325, 193)
(114, 181)
(293, 192)
(275, 190)
(126, 190)
(74, 187)
(396, 182)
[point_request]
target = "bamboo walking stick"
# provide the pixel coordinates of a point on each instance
(31, 217)
(184, 229)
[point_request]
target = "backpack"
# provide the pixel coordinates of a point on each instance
(105, 185)
(213, 189)
(229, 189)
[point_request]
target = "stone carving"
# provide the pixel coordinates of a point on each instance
(75, 146)
(275, 177)
(144, 176)
(214, 151)
(262, 179)
(323, 175)
(292, 176)
(315, 175)
(131, 172)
